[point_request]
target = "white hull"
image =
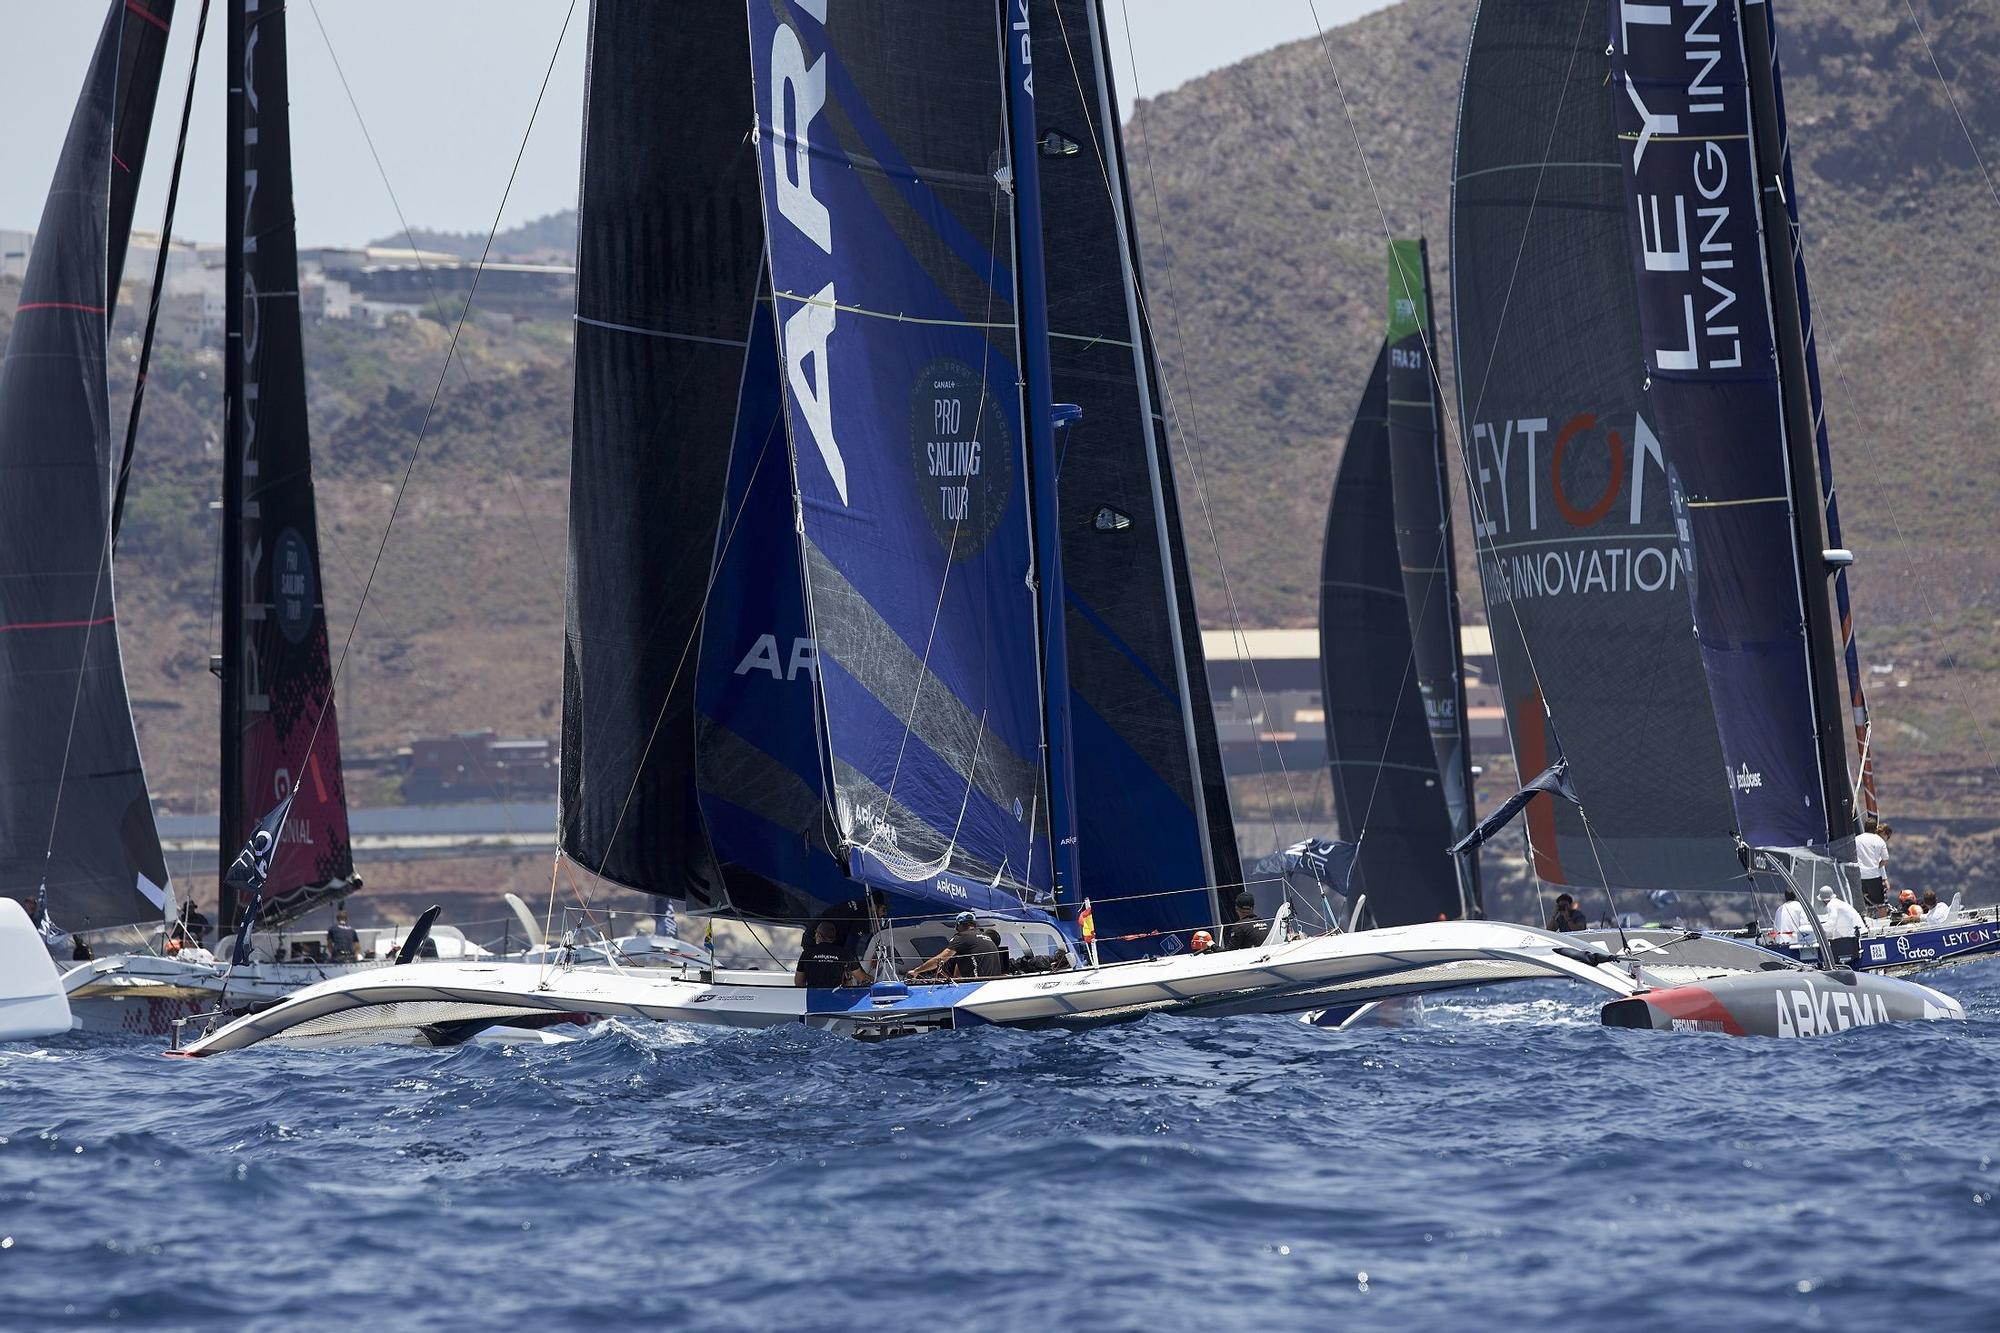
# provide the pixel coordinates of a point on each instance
(147, 995)
(32, 1003)
(444, 1003)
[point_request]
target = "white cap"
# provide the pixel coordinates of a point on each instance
(1825, 892)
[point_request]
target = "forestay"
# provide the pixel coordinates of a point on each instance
(1146, 755)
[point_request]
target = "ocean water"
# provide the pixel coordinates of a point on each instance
(1510, 1163)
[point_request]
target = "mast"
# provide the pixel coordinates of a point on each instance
(1823, 633)
(235, 238)
(1039, 426)
(1128, 258)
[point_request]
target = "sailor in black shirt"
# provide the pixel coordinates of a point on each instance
(1246, 931)
(1567, 916)
(826, 963)
(969, 953)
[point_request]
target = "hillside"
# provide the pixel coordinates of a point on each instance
(1265, 260)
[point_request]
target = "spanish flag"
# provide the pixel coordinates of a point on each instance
(1087, 923)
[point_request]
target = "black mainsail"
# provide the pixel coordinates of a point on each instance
(1146, 747)
(1571, 499)
(1386, 792)
(671, 717)
(74, 810)
(280, 737)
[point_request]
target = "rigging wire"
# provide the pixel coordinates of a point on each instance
(1192, 445)
(437, 301)
(159, 282)
(416, 449)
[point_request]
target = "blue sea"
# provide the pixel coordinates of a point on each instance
(1509, 1163)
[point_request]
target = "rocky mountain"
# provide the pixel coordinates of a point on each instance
(1265, 191)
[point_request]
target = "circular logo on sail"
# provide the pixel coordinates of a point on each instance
(293, 595)
(962, 452)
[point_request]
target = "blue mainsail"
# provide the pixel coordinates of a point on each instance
(1711, 344)
(882, 144)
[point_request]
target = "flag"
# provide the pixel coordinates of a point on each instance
(1329, 861)
(247, 873)
(1554, 780)
(708, 936)
(1087, 923)
(42, 922)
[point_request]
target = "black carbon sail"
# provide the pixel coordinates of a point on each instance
(1386, 792)
(1424, 539)
(670, 272)
(144, 26)
(1571, 500)
(280, 735)
(1146, 749)
(74, 810)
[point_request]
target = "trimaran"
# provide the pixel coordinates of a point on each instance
(1640, 403)
(837, 650)
(77, 832)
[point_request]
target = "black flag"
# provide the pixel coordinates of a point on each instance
(251, 868)
(1554, 780)
(1329, 861)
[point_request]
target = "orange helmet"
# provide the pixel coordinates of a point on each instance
(1202, 941)
(1907, 896)
(1915, 912)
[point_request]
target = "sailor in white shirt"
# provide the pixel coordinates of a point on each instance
(1871, 852)
(1836, 915)
(1794, 924)
(1935, 912)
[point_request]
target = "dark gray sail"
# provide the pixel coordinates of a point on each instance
(1141, 715)
(1572, 511)
(73, 800)
(280, 733)
(1386, 792)
(670, 266)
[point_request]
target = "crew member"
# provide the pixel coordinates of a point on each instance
(1201, 941)
(1794, 924)
(1568, 916)
(1935, 912)
(342, 939)
(1871, 851)
(1246, 931)
(826, 961)
(970, 953)
(1836, 915)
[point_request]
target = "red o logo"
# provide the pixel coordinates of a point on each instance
(1585, 518)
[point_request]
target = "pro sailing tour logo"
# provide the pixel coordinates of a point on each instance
(961, 454)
